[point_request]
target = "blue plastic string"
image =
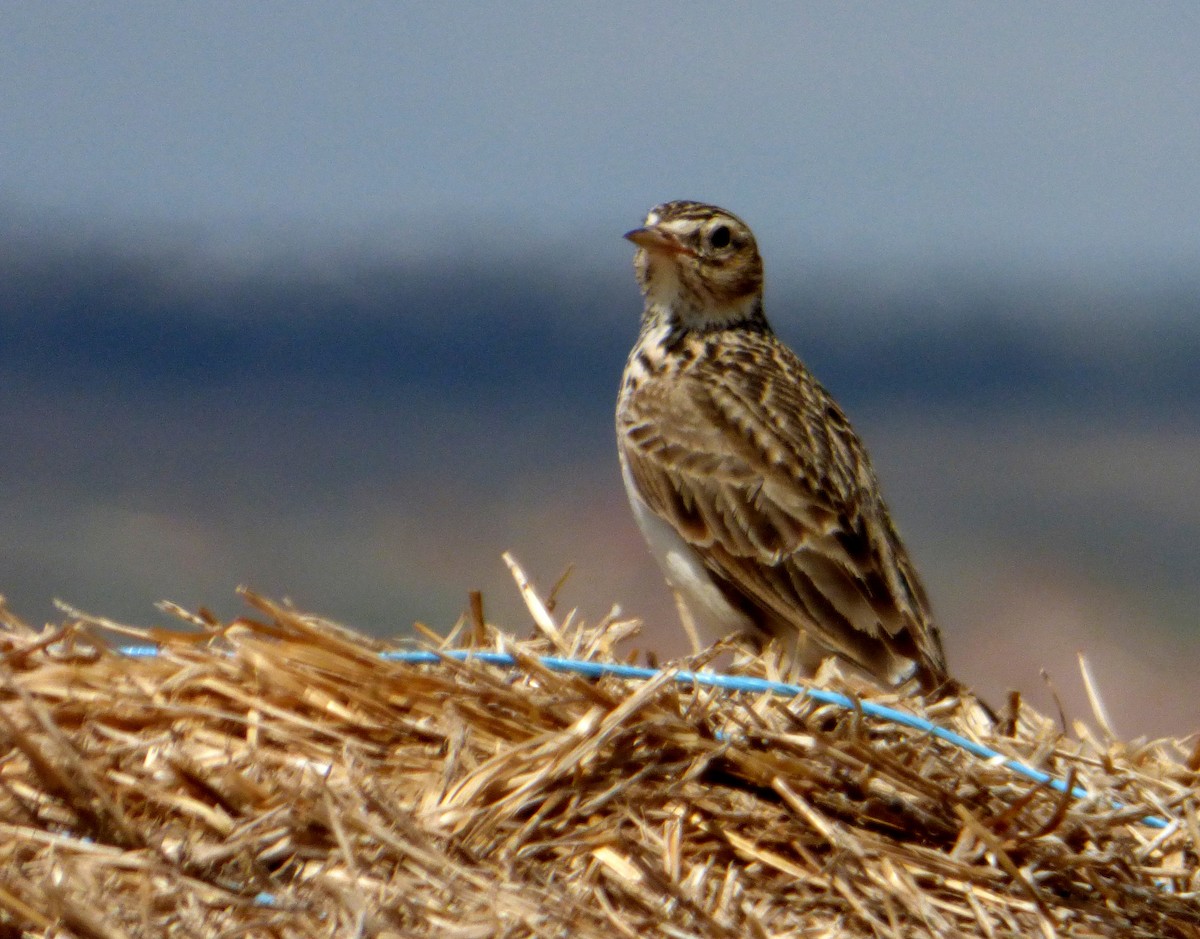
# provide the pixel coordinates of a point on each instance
(735, 683)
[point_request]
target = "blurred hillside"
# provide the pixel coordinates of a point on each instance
(367, 433)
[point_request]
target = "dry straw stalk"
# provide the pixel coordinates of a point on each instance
(274, 776)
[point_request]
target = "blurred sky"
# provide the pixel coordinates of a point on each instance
(1018, 135)
(429, 171)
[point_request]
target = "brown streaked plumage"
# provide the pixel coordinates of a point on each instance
(756, 496)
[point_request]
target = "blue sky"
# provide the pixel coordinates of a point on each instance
(1032, 162)
(1023, 136)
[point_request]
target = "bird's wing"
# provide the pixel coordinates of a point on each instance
(773, 491)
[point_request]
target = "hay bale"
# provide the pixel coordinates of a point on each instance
(275, 776)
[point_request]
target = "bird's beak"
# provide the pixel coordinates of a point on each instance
(657, 241)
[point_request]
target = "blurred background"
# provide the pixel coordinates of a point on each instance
(332, 301)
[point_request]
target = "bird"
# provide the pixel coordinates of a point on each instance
(751, 488)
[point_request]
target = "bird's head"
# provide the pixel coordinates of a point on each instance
(698, 265)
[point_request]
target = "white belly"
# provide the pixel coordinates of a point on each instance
(711, 614)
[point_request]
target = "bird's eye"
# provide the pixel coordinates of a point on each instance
(720, 237)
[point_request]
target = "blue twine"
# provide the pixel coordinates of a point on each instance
(736, 683)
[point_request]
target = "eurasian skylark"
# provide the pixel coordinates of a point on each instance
(753, 491)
